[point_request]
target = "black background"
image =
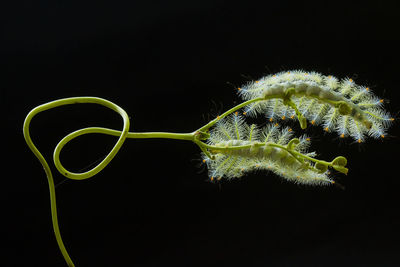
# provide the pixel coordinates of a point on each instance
(172, 66)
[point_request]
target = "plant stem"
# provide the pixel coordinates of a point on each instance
(226, 113)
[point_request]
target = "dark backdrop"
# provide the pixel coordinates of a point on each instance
(172, 66)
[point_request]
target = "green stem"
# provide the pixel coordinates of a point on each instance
(81, 176)
(298, 154)
(57, 103)
(225, 149)
(214, 121)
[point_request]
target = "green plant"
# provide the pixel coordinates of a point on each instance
(230, 147)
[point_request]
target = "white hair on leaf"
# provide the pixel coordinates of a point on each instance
(259, 152)
(318, 98)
